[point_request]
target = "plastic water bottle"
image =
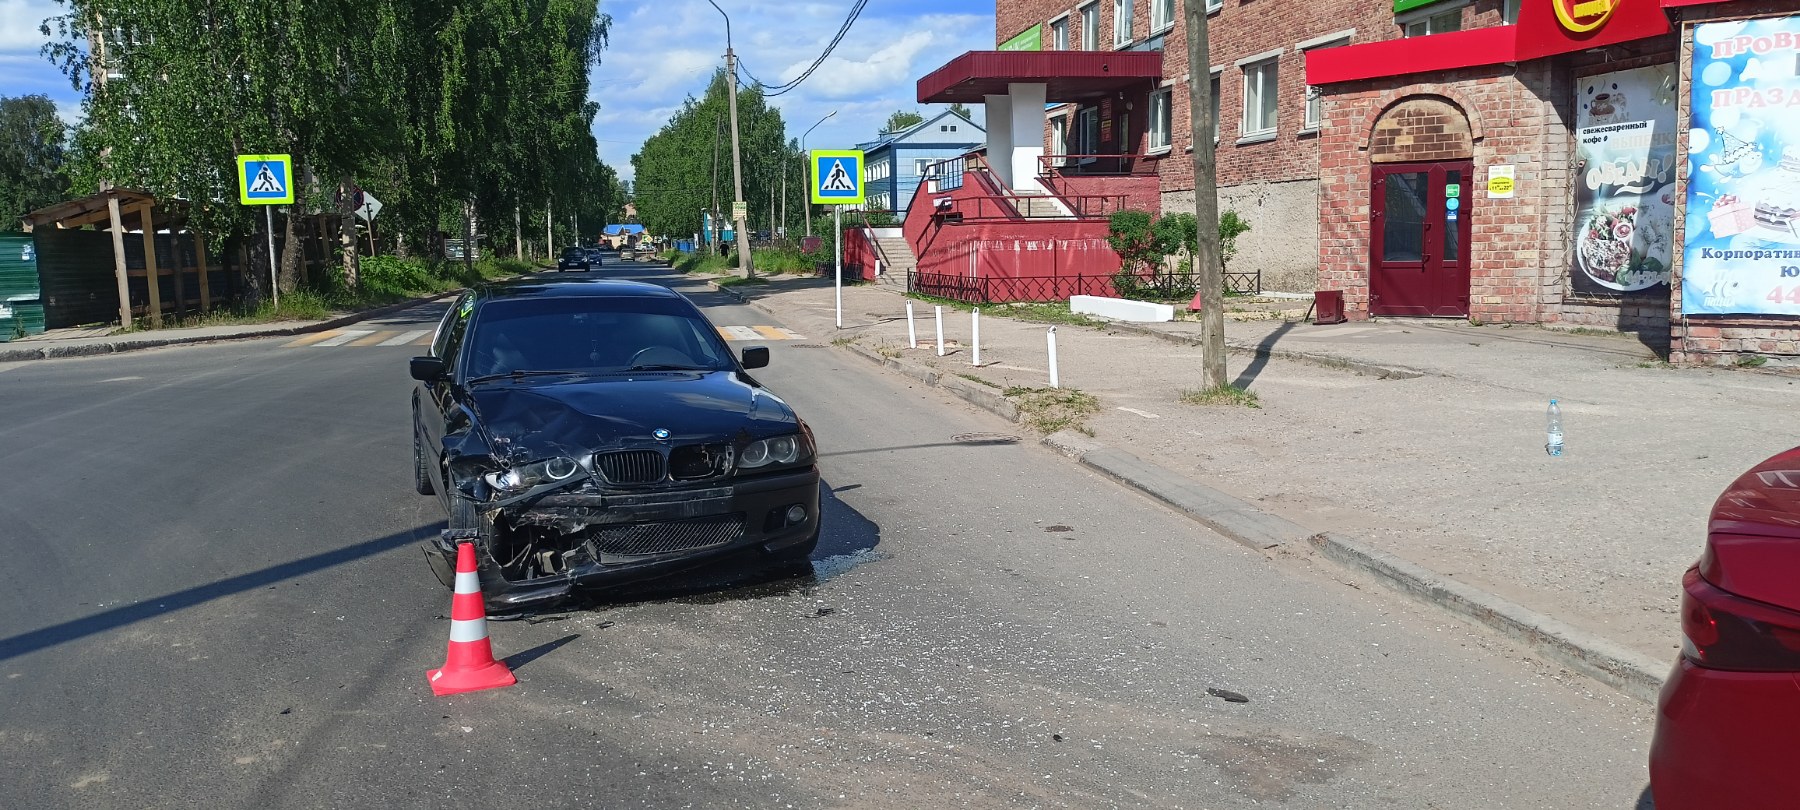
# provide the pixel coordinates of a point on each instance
(1554, 442)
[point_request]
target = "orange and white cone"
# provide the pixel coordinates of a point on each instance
(469, 665)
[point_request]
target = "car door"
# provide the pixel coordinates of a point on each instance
(439, 398)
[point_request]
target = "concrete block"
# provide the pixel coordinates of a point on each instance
(1120, 309)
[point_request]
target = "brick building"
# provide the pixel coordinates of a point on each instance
(1497, 160)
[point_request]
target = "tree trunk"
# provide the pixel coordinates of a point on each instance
(1206, 198)
(468, 250)
(518, 236)
(290, 253)
(347, 233)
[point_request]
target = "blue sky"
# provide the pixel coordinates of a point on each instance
(665, 50)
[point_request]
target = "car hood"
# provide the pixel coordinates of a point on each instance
(538, 419)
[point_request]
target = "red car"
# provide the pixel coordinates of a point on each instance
(1728, 721)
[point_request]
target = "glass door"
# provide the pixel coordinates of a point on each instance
(1418, 241)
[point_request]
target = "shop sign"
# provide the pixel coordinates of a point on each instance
(1031, 39)
(1624, 181)
(1741, 249)
(1500, 182)
(1582, 16)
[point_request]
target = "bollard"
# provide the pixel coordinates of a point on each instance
(912, 335)
(940, 329)
(1050, 338)
(975, 336)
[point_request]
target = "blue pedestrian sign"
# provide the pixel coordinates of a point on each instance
(265, 179)
(837, 177)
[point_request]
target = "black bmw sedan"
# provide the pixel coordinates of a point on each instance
(591, 434)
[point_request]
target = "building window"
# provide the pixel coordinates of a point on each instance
(1122, 10)
(1090, 26)
(1509, 12)
(1214, 5)
(1162, 15)
(1161, 119)
(1315, 106)
(1260, 95)
(1059, 33)
(922, 165)
(1059, 139)
(1087, 131)
(1215, 105)
(1437, 23)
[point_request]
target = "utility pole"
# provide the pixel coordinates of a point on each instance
(549, 242)
(784, 198)
(718, 133)
(1206, 198)
(738, 210)
(737, 162)
(518, 237)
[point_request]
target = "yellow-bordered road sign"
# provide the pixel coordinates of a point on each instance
(837, 177)
(265, 179)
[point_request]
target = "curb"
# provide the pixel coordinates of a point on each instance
(1628, 671)
(1315, 358)
(131, 345)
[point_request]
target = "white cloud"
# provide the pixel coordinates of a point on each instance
(19, 22)
(665, 50)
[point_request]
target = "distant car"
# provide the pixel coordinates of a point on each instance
(1728, 720)
(584, 435)
(627, 253)
(596, 258)
(573, 258)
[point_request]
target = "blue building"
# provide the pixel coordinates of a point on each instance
(894, 164)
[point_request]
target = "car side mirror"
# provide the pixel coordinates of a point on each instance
(428, 369)
(756, 356)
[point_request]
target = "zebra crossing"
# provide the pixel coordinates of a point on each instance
(354, 338)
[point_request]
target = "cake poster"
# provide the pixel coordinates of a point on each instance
(1624, 182)
(1742, 246)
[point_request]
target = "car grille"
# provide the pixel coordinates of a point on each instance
(696, 462)
(662, 538)
(630, 466)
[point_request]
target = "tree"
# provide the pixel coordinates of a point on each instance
(32, 151)
(961, 109)
(674, 167)
(1206, 199)
(901, 119)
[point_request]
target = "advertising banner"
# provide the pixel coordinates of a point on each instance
(1624, 182)
(1742, 251)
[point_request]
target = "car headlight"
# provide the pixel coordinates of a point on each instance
(526, 476)
(775, 452)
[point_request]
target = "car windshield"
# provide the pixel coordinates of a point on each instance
(592, 335)
(574, 253)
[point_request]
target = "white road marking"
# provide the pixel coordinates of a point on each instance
(404, 338)
(740, 333)
(121, 379)
(345, 338)
(1145, 414)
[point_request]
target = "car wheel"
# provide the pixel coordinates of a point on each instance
(421, 470)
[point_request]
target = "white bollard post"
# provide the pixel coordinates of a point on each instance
(940, 329)
(1050, 337)
(912, 335)
(975, 336)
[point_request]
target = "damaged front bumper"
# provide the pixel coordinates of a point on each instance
(537, 553)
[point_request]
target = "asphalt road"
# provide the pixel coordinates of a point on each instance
(215, 599)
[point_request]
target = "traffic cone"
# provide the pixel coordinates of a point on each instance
(1194, 305)
(469, 665)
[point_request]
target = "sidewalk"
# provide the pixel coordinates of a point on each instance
(1445, 469)
(84, 342)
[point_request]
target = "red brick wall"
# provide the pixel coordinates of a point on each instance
(1517, 246)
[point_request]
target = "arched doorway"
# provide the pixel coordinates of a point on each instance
(1421, 155)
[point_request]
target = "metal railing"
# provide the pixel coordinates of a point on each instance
(990, 289)
(1095, 165)
(989, 207)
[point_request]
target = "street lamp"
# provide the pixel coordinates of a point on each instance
(737, 163)
(804, 156)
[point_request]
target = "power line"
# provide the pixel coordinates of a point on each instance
(771, 91)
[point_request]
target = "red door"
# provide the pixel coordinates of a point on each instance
(1419, 240)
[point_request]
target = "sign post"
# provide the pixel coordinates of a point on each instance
(266, 180)
(837, 181)
(366, 208)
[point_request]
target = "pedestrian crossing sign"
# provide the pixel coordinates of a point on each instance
(265, 179)
(837, 177)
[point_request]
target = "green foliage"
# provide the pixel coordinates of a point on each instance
(428, 105)
(1141, 247)
(902, 119)
(676, 180)
(1231, 226)
(32, 151)
(739, 281)
(702, 263)
(1048, 410)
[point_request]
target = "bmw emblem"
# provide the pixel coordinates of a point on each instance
(661, 434)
